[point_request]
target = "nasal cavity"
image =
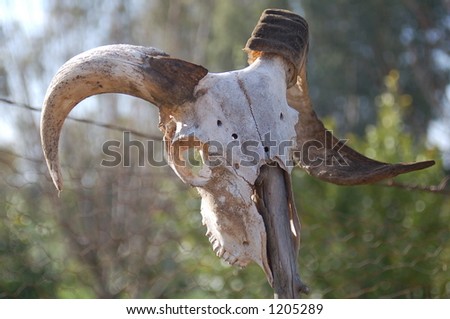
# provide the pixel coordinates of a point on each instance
(234, 136)
(219, 123)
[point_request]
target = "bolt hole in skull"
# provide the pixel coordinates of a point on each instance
(241, 167)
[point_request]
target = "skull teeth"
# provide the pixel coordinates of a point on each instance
(222, 253)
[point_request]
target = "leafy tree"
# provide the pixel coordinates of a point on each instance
(375, 241)
(354, 44)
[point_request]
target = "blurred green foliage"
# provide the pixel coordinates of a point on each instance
(378, 241)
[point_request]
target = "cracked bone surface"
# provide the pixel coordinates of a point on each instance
(222, 130)
(241, 131)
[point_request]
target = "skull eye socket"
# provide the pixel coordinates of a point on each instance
(188, 161)
(192, 157)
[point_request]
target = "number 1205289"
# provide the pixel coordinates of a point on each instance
(295, 309)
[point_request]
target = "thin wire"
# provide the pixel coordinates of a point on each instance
(86, 121)
(436, 189)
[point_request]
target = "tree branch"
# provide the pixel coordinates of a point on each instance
(441, 188)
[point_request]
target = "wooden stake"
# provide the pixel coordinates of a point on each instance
(275, 204)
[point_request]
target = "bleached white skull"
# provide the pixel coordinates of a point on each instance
(236, 122)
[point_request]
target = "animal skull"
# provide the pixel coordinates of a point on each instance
(236, 123)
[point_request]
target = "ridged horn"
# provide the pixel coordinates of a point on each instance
(283, 33)
(318, 152)
(142, 72)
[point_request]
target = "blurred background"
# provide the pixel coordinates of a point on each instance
(379, 76)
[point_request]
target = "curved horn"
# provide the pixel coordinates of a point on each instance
(323, 156)
(318, 152)
(142, 72)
